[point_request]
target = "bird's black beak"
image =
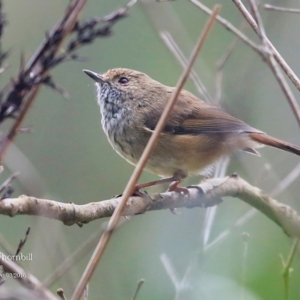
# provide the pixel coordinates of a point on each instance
(95, 76)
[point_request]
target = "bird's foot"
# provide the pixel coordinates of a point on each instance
(138, 193)
(173, 187)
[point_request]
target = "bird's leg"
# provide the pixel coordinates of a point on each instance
(173, 187)
(175, 180)
(178, 177)
(138, 187)
(153, 183)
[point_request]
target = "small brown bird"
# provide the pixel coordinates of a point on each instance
(196, 134)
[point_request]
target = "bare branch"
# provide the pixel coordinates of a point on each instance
(207, 194)
(228, 26)
(70, 213)
(283, 64)
(282, 9)
(285, 67)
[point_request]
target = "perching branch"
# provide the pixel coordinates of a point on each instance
(208, 193)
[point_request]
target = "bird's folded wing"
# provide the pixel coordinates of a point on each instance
(202, 119)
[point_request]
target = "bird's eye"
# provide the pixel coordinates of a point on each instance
(123, 80)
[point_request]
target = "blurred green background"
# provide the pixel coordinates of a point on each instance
(67, 157)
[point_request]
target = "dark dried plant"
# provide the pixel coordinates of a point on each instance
(60, 45)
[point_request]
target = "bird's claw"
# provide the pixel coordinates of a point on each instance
(173, 187)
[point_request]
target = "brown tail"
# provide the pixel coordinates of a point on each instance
(273, 142)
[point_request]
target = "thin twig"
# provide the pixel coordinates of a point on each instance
(60, 292)
(221, 64)
(226, 55)
(260, 26)
(138, 287)
(282, 9)
(285, 88)
(6, 184)
(269, 57)
(170, 269)
(210, 213)
(70, 261)
(22, 242)
(285, 67)
(176, 51)
(142, 162)
(287, 181)
(115, 15)
(74, 258)
(275, 56)
(286, 274)
(228, 26)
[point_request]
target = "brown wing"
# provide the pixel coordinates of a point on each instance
(192, 116)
